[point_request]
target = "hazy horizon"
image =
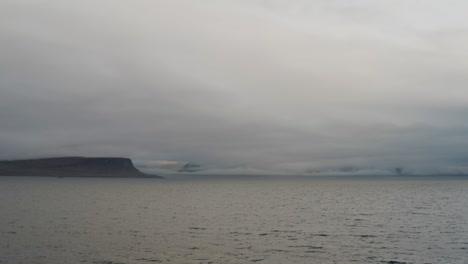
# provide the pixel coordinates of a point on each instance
(357, 87)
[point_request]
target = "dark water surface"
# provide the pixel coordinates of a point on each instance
(73, 220)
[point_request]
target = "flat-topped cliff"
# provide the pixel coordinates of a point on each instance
(73, 167)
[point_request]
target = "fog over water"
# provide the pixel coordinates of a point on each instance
(322, 87)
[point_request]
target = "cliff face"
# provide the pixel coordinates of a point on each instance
(73, 167)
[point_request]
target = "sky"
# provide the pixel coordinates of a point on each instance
(244, 86)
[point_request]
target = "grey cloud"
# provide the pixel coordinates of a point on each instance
(253, 86)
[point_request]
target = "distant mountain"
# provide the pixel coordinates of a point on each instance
(176, 166)
(73, 167)
(190, 167)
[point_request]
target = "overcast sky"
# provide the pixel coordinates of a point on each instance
(278, 85)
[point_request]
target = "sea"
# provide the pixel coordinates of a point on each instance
(234, 220)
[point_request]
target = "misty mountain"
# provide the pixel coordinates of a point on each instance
(73, 167)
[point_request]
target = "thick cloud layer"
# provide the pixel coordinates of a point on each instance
(288, 86)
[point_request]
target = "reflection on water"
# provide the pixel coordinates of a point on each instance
(126, 221)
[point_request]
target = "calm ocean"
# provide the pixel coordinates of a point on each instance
(140, 221)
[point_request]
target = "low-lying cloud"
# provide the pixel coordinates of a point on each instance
(278, 86)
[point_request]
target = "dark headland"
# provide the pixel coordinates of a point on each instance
(73, 167)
